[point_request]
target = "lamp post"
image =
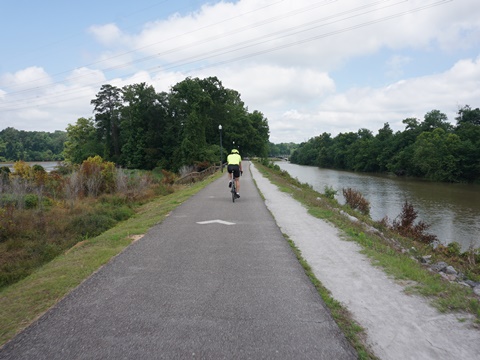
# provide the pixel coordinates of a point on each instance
(221, 148)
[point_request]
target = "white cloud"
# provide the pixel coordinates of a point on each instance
(396, 64)
(372, 107)
(286, 59)
(25, 79)
(108, 34)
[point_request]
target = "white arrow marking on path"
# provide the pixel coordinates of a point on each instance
(215, 221)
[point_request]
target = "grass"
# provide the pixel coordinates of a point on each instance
(386, 254)
(25, 301)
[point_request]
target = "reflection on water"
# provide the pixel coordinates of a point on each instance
(452, 210)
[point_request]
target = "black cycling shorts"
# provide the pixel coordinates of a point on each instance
(235, 169)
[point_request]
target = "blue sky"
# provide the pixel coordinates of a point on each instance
(309, 66)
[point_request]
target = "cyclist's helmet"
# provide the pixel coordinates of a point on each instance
(235, 151)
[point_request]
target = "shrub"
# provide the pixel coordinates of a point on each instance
(98, 176)
(406, 225)
(4, 176)
(31, 201)
(454, 249)
(168, 177)
(7, 224)
(91, 225)
(329, 192)
(22, 170)
(118, 213)
(203, 165)
(356, 201)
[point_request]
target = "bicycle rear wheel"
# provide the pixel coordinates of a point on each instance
(234, 190)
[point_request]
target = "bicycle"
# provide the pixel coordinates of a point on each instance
(233, 189)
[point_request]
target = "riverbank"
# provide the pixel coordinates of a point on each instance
(398, 325)
(451, 210)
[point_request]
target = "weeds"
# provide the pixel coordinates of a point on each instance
(405, 225)
(356, 201)
(329, 192)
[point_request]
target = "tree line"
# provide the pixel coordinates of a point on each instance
(16, 145)
(136, 127)
(433, 148)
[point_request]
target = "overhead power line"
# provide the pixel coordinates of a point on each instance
(260, 41)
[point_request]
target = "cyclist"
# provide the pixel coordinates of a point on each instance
(234, 161)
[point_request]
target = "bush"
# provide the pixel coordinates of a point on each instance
(356, 201)
(91, 225)
(454, 249)
(31, 201)
(118, 213)
(406, 225)
(168, 177)
(329, 192)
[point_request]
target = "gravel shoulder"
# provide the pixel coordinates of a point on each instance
(398, 326)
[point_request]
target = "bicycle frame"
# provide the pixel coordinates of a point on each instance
(233, 188)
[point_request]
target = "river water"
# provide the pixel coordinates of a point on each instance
(47, 165)
(452, 210)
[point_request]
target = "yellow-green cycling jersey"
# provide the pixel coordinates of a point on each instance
(234, 159)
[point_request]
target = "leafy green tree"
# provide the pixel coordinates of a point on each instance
(436, 155)
(467, 115)
(82, 141)
(107, 108)
(31, 145)
(256, 134)
(137, 112)
(192, 108)
(344, 157)
(384, 147)
(468, 129)
(434, 120)
(282, 149)
(325, 156)
(363, 153)
(307, 152)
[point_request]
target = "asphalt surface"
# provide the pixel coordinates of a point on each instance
(193, 288)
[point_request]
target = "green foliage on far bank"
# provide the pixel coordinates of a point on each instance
(23, 145)
(433, 149)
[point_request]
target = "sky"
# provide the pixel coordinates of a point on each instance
(309, 66)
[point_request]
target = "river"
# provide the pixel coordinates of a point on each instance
(47, 165)
(452, 210)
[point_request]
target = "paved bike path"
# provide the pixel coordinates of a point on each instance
(193, 288)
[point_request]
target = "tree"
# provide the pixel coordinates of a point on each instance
(434, 120)
(468, 129)
(31, 145)
(137, 113)
(384, 147)
(193, 105)
(82, 141)
(107, 107)
(467, 115)
(436, 155)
